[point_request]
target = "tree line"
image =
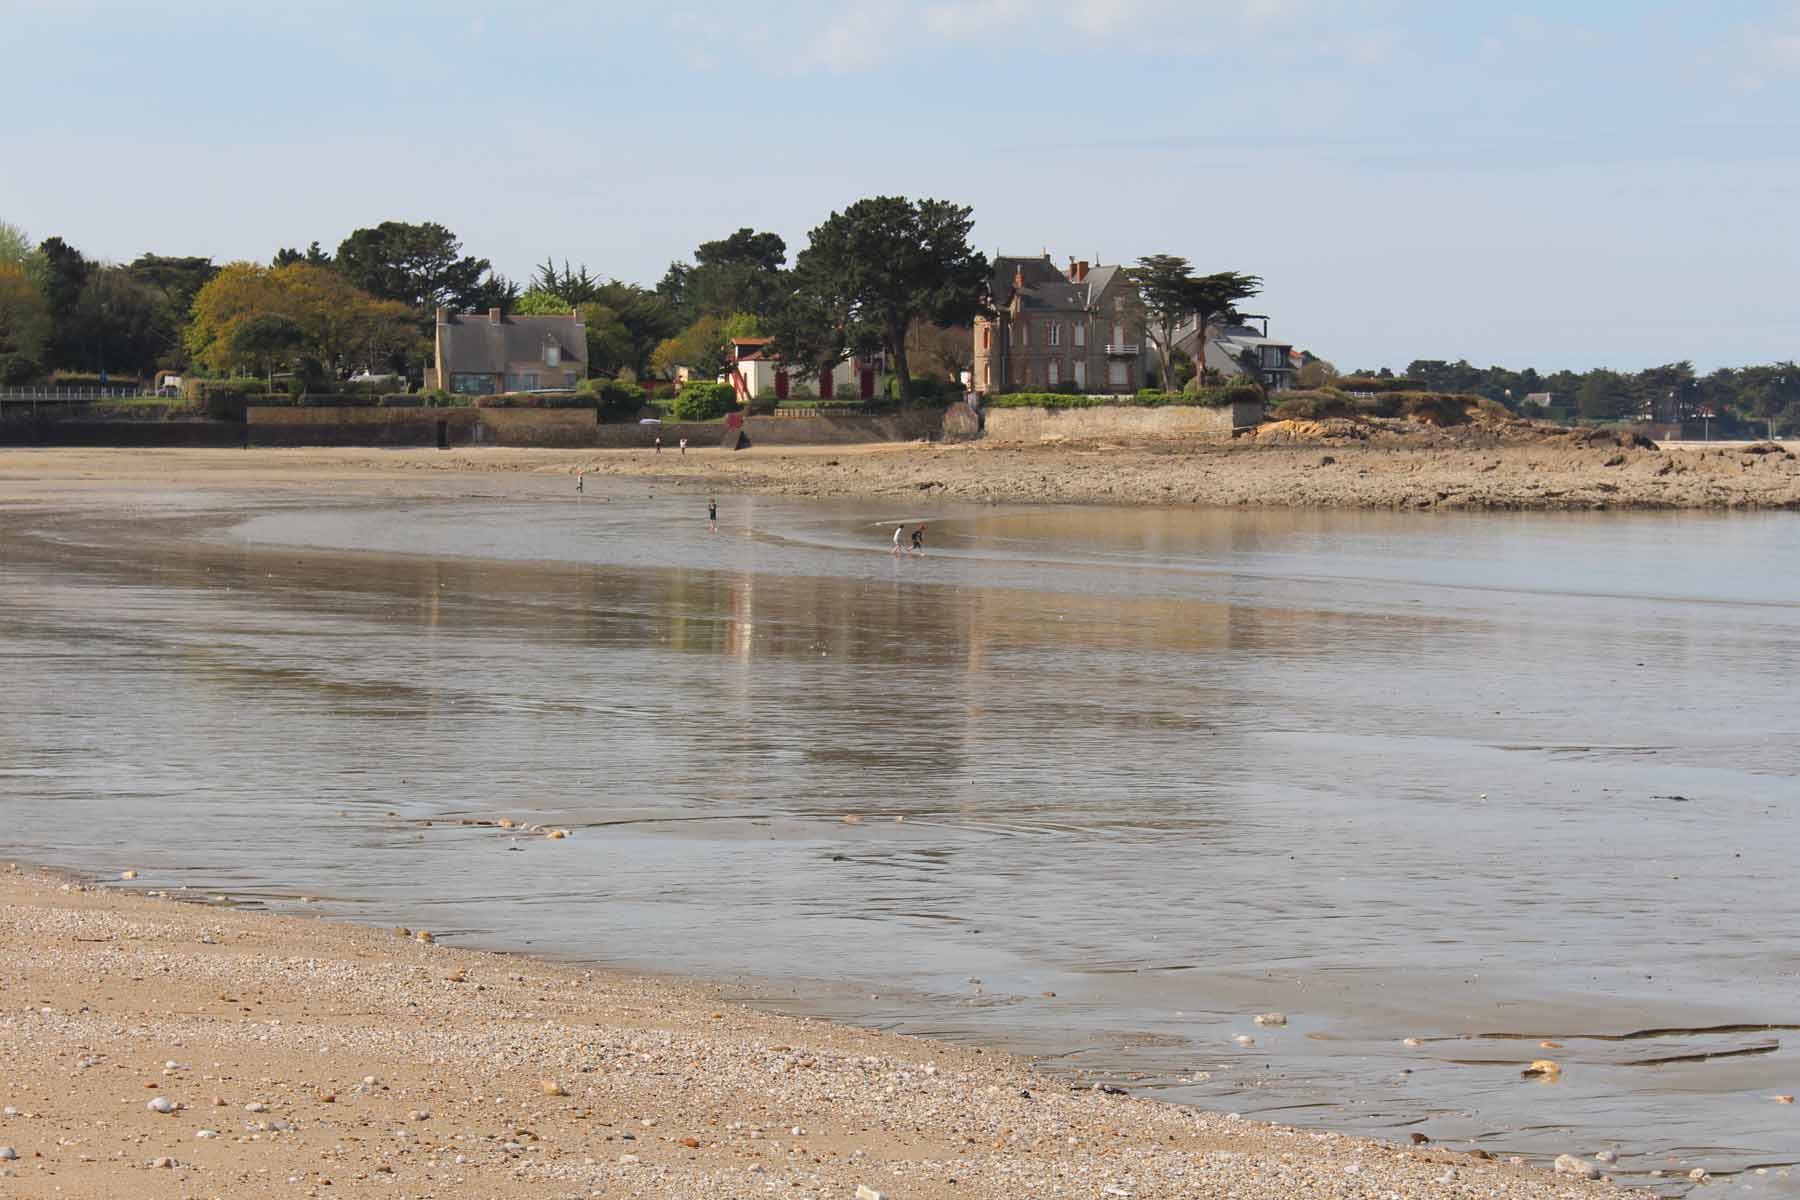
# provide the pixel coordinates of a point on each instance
(885, 275)
(1763, 398)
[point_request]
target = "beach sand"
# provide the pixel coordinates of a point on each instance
(327, 1060)
(1333, 464)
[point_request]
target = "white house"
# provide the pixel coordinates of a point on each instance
(754, 372)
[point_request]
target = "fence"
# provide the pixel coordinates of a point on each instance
(83, 395)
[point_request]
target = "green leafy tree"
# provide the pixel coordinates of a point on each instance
(539, 303)
(739, 273)
(342, 326)
(872, 270)
(1167, 295)
(1215, 298)
(25, 326)
(266, 339)
(178, 278)
(1605, 396)
(61, 273)
(703, 347)
(420, 265)
(573, 287)
(611, 348)
(16, 249)
(120, 325)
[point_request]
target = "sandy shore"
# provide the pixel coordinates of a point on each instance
(1335, 464)
(302, 1057)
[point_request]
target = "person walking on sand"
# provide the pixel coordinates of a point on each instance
(898, 530)
(684, 445)
(659, 443)
(579, 479)
(918, 540)
(712, 516)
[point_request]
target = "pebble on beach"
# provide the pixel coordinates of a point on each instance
(127, 874)
(552, 1088)
(1271, 1018)
(1568, 1164)
(161, 1104)
(8, 1154)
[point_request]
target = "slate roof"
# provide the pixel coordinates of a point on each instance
(1046, 287)
(473, 344)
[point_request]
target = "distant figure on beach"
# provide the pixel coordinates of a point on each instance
(918, 540)
(684, 445)
(579, 479)
(659, 443)
(898, 530)
(712, 515)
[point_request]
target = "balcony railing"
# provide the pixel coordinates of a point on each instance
(1122, 347)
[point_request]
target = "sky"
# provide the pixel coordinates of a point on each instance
(1559, 185)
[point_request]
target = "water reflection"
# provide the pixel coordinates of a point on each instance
(1155, 771)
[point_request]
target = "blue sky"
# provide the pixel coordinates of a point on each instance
(1558, 185)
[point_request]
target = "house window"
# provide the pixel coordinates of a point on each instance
(569, 380)
(1054, 370)
(987, 337)
(1080, 374)
(1080, 334)
(1117, 374)
(1053, 329)
(552, 355)
(1028, 373)
(471, 384)
(1025, 334)
(987, 375)
(530, 381)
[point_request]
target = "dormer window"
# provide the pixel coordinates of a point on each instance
(552, 354)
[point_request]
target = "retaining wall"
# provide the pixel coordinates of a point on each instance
(79, 425)
(1116, 421)
(283, 425)
(781, 431)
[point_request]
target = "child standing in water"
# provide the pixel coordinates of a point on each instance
(918, 540)
(712, 516)
(898, 530)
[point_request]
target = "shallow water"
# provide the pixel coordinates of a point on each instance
(1476, 780)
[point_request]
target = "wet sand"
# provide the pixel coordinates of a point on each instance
(301, 1057)
(1287, 465)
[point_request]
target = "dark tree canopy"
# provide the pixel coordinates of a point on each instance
(419, 265)
(872, 270)
(741, 273)
(179, 278)
(120, 325)
(314, 256)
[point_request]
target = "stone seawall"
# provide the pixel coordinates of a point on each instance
(140, 425)
(282, 425)
(1116, 421)
(781, 431)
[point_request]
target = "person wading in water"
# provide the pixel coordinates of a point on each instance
(918, 540)
(712, 516)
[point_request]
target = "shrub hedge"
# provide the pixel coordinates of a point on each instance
(699, 401)
(1213, 397)
(617, 399)
(535, 400)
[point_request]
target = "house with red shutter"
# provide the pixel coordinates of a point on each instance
(754, 371)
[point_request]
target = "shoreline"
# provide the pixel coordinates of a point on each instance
(502, 1075)
(1287, 465)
